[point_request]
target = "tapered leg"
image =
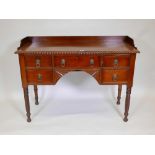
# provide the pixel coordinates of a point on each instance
(27, 104)
(36, 94)
(119, 94)
(127, 103)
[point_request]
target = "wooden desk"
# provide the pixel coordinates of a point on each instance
(109, 59)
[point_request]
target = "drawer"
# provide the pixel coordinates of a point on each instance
(116, 60)
(115, 76)
(40, 76)
(65, 61)
(82, 61)
(89, 61)
(38, 61)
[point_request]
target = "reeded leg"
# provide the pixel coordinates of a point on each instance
(119, 94)
(36, 94)
(127, 103)
(27, 104)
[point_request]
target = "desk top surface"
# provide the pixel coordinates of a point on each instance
(77, 44)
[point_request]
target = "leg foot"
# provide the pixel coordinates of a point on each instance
(127, 103)
(36, 103)
(125, 119)
(28, 117)
(118, 102)
(27, 104)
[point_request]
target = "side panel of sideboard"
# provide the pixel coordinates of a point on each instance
(23, 70)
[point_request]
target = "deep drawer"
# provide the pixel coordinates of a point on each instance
(115, 76)
(40, 76)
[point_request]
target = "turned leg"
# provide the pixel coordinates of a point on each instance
(127, 103)
(36, 94)
(119, 94)
(27, 104)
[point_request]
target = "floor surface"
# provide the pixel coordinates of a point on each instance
(78, 112)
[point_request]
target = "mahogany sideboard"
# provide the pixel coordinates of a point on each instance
(45, 59)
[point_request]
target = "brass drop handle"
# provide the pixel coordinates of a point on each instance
(91, 61)
(39, 77)
(115, 77)
(63, 62)
(37, 63)
(115, 61)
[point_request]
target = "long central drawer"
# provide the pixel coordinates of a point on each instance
(76, 61)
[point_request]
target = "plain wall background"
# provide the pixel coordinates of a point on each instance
(73, 86)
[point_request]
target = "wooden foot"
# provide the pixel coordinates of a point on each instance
(119, 94)
(28, 118)
(125, 119)
(36, 94)
(127, 104)
(27, 104)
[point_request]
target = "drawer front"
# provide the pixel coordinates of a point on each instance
(38, 61)
(82, 61)
(88, 61)
(114, 76)
(116, 61)
(39, 76)
(65, 61)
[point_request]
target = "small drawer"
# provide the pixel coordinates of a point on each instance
(114, 76)
(39, 76)
(65, 61)
(82, 61)
(38, 61)
(115, 61)
(88, 61)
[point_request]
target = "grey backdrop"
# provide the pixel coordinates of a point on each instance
(77, 104)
